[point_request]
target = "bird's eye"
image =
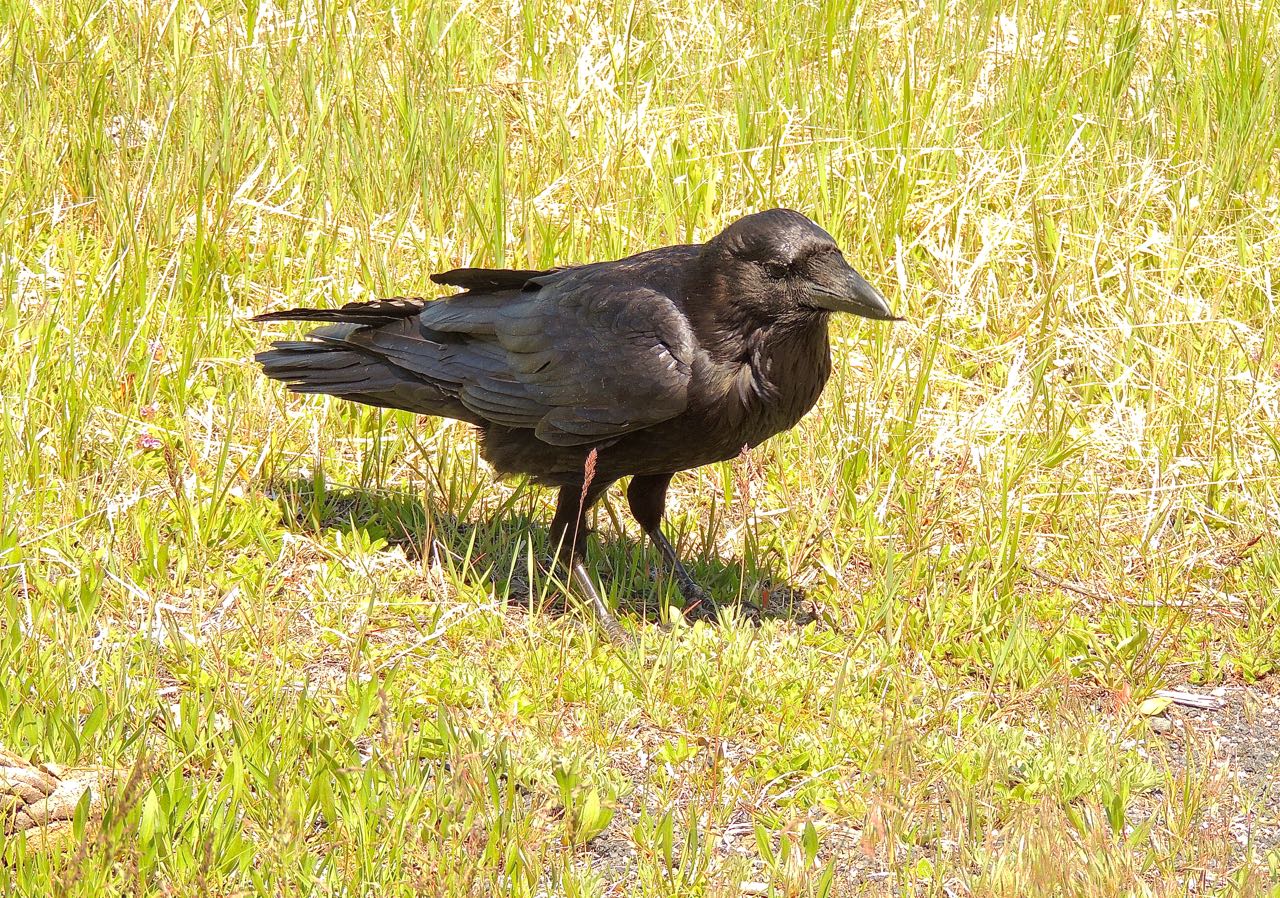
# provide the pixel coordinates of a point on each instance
(775, 270)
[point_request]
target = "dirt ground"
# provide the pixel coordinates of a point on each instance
(1242, 739)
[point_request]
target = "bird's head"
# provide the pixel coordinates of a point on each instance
(784, 264)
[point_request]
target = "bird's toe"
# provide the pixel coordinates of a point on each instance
(751, 613)
(698, 604)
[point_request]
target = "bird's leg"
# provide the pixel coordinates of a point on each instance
(647, 496)
(698, 603)
(583, 583)
(569, 535)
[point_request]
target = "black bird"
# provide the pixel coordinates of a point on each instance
(578, 376)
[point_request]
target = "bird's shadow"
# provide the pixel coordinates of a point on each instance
(510, 546)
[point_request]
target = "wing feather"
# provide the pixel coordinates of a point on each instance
(580, 356)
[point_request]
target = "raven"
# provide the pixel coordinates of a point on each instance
(578, 376)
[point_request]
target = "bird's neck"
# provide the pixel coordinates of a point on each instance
(776, 373)
(757, 339)
(793, 352)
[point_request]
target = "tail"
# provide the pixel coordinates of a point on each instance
(326, 363)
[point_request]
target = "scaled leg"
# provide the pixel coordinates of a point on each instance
(569, 534)
(647, 496)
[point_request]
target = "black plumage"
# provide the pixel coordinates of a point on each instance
(659, 362)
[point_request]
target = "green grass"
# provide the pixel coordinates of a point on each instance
(303, 623)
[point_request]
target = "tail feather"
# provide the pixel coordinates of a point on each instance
(318, 367)
(330, 368)
(379, 311)
(339, 360)
(480, 279)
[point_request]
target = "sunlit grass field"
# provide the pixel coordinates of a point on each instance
(317, 635)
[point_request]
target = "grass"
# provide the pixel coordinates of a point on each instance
(306, 626)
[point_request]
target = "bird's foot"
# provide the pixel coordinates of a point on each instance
(751, 613)
(698, 604)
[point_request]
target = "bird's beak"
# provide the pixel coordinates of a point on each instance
(847, 291)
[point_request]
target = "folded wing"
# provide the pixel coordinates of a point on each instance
(575, 356)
